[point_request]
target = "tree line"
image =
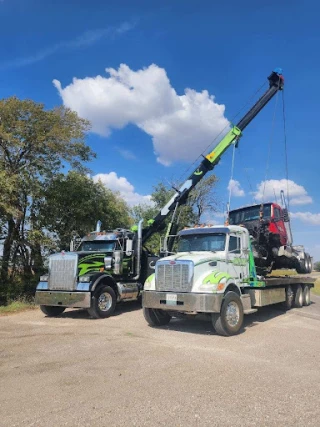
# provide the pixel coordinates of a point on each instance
(47, 197)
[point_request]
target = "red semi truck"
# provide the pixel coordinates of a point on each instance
(269, 226)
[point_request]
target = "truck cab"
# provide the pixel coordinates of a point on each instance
(214, 273)
(210, 263)
(106, 267)
(267, 218)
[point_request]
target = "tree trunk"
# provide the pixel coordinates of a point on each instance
(36, 259)
(7, 251)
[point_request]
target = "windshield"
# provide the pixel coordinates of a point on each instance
(249, 214)
(202, 242)
(98, 246)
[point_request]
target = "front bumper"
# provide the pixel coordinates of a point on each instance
(186, 302)
(63, 299)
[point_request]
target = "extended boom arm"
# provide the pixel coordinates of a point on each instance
(276, 83)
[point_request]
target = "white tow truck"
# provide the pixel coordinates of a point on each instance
(213, 272)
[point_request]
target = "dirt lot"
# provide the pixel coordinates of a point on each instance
(76, 371)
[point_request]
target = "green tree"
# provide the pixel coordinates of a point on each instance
(201, 200)
(316, 266)
(34, 145)
(73, 204)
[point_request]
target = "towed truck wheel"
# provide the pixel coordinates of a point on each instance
(156, 317)
(51, 310)
(304, 266)
(310, 266)
(230, 319)
(103, 302)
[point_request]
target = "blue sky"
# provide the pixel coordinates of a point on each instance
(226, 49)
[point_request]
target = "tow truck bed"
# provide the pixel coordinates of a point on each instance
(289, 280)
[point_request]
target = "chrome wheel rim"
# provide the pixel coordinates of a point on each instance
(301, 298)
(105, 301)
(232, 314)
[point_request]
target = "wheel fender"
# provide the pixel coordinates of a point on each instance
(104, 279)
(232, 287)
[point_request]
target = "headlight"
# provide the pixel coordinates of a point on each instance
(212, 287)
(108, 262)
(147, 286)
(208, 287)
(84, 279)
(149, 283)
(44, 278)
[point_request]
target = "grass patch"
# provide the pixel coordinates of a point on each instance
(17, 306)
(316, 289)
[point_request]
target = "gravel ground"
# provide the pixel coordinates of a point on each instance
(76, 371)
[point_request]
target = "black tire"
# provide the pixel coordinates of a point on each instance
(230, 320)
(309, 262)
(288, 303)
(51, 310)
(156, 317)
(306, 295)
(302, 266)
(103, 302)
(298, 297)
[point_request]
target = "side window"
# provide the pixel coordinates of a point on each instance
(234, 244)
(277, 215)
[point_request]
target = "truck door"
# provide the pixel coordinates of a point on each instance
(237, 261)
(279, 225)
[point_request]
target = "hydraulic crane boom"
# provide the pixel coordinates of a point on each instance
(276, 82)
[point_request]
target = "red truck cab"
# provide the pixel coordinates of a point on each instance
(267, 219)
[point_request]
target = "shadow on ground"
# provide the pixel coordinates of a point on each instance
(121, 308)
(201, 324)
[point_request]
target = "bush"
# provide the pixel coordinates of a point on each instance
(316, 266)
(19, 287)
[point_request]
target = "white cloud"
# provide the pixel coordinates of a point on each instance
(307, 217)
(123, 186)
(85, 39)
(235, 188)
(181, 126)
(127, 154)
(266, 190)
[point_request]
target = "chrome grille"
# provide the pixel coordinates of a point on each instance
(176, 276)
(63, 272)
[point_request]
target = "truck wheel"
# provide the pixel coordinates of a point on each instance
(306, 295)
(302, 266)
(103, 302)
(309, 263)
(51, 310)
(287, 304)
(230, 319)
(298, 298)
(156, 317)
